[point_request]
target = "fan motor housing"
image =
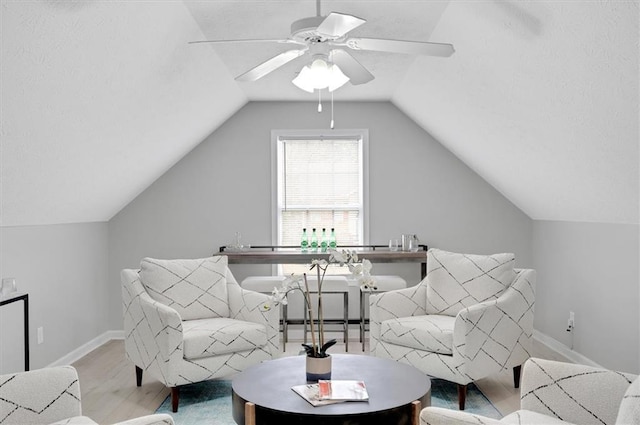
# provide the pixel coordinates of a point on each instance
(305, 30)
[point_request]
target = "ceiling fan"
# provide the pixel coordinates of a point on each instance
(326, 37)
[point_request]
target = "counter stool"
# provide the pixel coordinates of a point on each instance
(383, 284)
(331, 285)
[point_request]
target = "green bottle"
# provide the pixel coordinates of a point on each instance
(304, 243)
(332, 239)
(324, 241)
(314, 240)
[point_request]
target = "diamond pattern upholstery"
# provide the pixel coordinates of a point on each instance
(629, 412)
(51, 396)
(214, 337)
(430, 332)
(196, 289)
(561, 393)
(157, 337)
(487, 331)
(455, 281)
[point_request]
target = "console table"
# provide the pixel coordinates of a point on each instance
(270, 254)
(11, 298)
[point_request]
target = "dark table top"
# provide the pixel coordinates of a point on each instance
(390, 384)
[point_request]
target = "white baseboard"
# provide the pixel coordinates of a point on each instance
(544, 339)
(85, 349)
(562, 349)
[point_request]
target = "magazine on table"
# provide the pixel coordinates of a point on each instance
(310, 392)
(332, 391)
(343, 390)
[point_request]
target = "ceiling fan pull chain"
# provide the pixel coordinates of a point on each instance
(331, 125)
(319, 100)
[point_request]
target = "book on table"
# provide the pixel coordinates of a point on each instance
(332, 391)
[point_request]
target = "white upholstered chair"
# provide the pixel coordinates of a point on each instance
(51, 396)
(560, 393)
(470, 317)
(187, 321)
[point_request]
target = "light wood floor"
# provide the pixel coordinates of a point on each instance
(109, 392)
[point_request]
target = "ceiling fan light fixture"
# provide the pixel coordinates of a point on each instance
(320, 75)
(337, 78)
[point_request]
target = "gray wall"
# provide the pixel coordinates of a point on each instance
(592, 270)
(223, 186)
(64, 270)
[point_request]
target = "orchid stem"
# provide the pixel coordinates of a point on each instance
(310, 311)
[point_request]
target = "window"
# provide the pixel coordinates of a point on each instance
(320, 182)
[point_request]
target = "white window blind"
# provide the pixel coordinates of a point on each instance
(320, 184)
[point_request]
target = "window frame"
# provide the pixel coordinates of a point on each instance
(276, 140)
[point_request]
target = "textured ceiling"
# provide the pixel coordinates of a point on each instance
(100, 98)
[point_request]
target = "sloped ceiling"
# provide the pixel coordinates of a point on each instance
(100, 98)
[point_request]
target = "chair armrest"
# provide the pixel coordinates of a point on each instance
(157, 419)
(392, 304)
(574, 393)
(153, 331)
(255, 307)
(40, 396)
(497, 334)
(165, 324)
(439, 416)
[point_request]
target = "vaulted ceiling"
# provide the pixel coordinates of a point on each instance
(100, 98)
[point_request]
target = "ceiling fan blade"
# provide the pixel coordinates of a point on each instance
(255, 40)
(357, 73)
(401, 46)
(338, 24)
(270, 65)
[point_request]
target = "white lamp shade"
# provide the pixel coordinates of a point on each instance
(337, 78)
(320, 75)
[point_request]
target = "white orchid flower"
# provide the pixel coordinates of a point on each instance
(279, 296)
(319, 263)
(366, 266)
(338, 257)
(367, 282)
(356, 269)
(291, 281)
(354, 256)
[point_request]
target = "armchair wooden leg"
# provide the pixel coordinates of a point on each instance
(175, 397)
(462, 395)
(516, 376)
(138, 376)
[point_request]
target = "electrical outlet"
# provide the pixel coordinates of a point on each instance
(40, 335)
(571, 323)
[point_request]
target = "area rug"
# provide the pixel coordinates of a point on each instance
(209, 402)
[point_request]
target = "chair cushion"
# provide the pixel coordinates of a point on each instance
(528, 417)
(195, 288)
(457, 281)
(214, 337)
(629, 412)
(433, 333)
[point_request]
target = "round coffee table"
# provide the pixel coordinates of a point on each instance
(393, 390)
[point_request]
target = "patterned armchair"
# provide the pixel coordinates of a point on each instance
(187, 321)
(470, 317)
(560, 393)
(51, 396)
